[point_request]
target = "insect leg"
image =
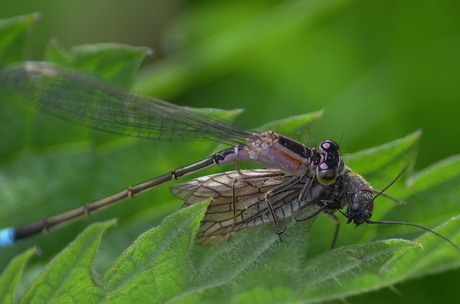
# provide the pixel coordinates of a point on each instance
(336, 221)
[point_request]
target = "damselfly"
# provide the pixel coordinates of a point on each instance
(299, 176)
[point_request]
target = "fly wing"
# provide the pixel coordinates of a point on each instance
(239, 200)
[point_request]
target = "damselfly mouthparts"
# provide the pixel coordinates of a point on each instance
(299, 177)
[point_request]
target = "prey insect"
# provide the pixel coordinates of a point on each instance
(243, 199)
(298, 176)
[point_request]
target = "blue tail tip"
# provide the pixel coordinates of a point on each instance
(6, 237)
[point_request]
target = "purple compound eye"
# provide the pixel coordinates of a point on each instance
(327, 169)
(326, 173)
(329, 146)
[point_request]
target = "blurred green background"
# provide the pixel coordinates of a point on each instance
(379, 69)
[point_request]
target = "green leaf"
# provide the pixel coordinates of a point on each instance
(13, 35)
(398, 153)
(349, 270)
(435, 256)
(158, 266)
(219, 113)
(382, 164)
(117, 63)
(296, 126)
(69, 278)
(437, 174)
(10, 277)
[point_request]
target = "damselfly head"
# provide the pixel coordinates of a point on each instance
(330, 164)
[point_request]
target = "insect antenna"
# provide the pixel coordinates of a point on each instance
(382, 193)
(392, 198)
(416, 226)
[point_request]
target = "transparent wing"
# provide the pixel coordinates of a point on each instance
(87, 100)
(238, 200)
